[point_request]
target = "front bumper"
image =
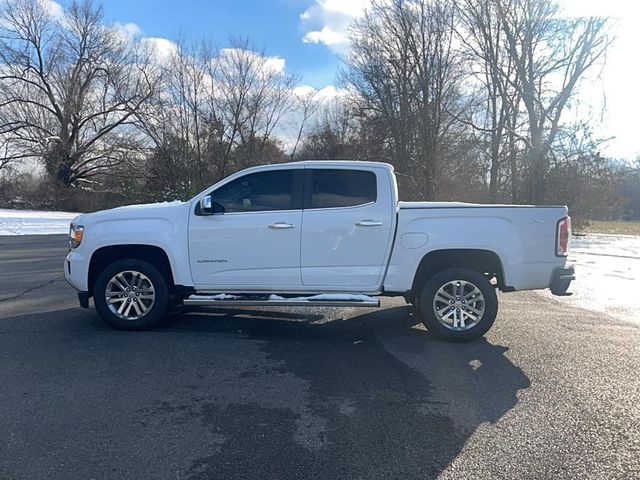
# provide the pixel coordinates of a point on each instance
(76, 271)
(71, 264)
(561, 279)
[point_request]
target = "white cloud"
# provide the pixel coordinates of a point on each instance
(275, 64)
(328, 22)
(325, 94)
(326, 35)
(161, 47)
(55, 9)
(332, 92)
(349, 8)
(127, 30)
(303, 90)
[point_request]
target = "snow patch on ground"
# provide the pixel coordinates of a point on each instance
(335, 297)
(607, 275)
(219, 296)
(339, 297)
(34, 222)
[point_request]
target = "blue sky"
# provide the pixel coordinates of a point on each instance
(273, 25)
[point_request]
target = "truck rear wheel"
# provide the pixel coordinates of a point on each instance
(131, 294)
(458, 304)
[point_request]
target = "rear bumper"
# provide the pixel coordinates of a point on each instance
(561, 279)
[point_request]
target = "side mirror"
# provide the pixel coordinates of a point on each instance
(207, 206)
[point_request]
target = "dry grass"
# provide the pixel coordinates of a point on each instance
(618, 228)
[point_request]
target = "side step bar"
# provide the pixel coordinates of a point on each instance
(253, 300)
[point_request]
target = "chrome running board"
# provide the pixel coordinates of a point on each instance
(255, 300)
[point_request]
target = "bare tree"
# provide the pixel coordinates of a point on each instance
(255, 95)
(581, 178)
(183, 124)
(334, 135)
(406, 75)
(550, 56)
(494, 114)
(216, 113)
(306, 106)
(69, 88)
(10, 154)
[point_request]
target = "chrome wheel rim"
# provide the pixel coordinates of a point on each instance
(459, 305)
(130, 295)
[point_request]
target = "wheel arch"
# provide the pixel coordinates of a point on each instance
(483, 261)
(152, 254)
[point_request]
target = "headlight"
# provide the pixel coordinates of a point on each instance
(75, 235)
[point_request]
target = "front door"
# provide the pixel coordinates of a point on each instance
(255, 243)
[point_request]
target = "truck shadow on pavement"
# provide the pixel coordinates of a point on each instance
(382, 399)
(252, 393)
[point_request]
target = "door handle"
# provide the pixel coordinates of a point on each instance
(368, 223)
(281, 225)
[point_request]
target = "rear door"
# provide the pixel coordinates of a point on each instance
(346, 228)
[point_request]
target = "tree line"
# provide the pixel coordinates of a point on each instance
(468, 99)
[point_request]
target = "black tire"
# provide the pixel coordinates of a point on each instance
(156, 311)
(425, 304)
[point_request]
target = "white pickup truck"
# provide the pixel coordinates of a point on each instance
(329, 233)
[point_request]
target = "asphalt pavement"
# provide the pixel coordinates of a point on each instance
(334, 393)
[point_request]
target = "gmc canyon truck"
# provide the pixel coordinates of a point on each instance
(316, 233)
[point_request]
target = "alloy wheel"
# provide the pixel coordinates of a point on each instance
(130, 295)
(459, 305)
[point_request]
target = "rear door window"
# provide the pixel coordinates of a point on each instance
(333, 188)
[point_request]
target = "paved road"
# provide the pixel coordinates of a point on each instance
(329, 393)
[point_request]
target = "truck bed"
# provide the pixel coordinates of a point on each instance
(522, 236)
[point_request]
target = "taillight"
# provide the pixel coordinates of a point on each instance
(563, 234)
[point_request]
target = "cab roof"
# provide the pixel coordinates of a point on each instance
(329, 163)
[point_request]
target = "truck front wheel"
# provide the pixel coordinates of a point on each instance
(458, 304)
(131, 294)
